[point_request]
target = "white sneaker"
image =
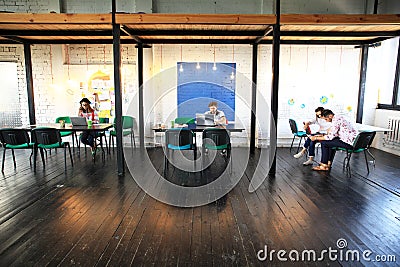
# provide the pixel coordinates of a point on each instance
(308, 162)
(298, 155)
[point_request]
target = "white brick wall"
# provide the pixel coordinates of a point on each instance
(30, 6)
(16, 53)
(204, 6)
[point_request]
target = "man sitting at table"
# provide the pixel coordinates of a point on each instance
(219, 115)
(341, 134)
(85, 110)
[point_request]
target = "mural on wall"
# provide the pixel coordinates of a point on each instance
(204, 82)
(101, 91)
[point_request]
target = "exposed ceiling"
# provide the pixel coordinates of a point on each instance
(197, 28)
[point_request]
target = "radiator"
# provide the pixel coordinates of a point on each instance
(392, 139)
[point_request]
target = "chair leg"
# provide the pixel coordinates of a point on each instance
(133, 136)
(70, 155)
(366, 160)
(290, 150)
(131, 139)
(42, 155)
(13, 155)
(372, 156)
(298, 147)
(65, 158)
(4, 157)
(105, 141)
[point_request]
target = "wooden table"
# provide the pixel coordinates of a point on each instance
(198, 128)
(363, 127)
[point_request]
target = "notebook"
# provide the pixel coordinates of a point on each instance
(205, 119)
(78, 121)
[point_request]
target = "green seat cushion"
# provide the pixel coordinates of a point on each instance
(124, 132)
(23, 146)
(65, 133)
(212, 147)
(350, 150)
(55, 145)
(185, 147)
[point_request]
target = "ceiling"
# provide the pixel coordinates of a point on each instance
(63, 28)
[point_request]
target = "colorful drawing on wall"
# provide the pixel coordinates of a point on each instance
(349, 108)
(291, 102)
(323, 100)
(302, 105)
(331, 95)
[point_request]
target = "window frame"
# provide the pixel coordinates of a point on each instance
(394, 105)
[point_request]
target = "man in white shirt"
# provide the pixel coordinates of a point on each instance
(219, 115)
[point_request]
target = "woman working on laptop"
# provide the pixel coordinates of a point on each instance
(85, 110)
(219, 115)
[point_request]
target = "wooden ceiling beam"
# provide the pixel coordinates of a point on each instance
(55, 18)
(218, 19)
(339, 19)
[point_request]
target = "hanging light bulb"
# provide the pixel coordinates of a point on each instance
(161, 67)
(214, 65)
(233, 60)
(181, 65)
(198, 65)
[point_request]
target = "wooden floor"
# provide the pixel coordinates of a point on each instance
(89, 216)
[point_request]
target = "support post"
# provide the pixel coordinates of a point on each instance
(141, 106)
(253, 100)
(275, 84)
(29, 83)
(118, 92)
(361, 87)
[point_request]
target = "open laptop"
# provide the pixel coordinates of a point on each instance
(78, 121)
(205, 119)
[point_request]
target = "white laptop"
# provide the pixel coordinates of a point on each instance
(78, 121)
(205, 119)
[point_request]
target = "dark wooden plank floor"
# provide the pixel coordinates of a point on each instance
(89, 216)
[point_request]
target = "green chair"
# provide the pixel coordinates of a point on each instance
(185, 120)
(15, 139)
(361, 144)
(179, 139)
(48, 138)
(296, 133)
(67, 119)
(217, 139)
(127, 129)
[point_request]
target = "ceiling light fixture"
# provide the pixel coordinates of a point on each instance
(181, 65)
(214, 65)
(161, 65)
(233, 60)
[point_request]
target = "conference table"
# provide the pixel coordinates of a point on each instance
(199, 128)
(100, 127)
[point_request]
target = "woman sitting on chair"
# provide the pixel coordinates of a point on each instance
(85, 110)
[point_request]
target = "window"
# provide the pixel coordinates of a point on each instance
(392, 99)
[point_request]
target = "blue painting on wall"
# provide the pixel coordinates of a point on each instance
(203, 82)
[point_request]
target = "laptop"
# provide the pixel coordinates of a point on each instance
(78, 121)
(205, 119)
